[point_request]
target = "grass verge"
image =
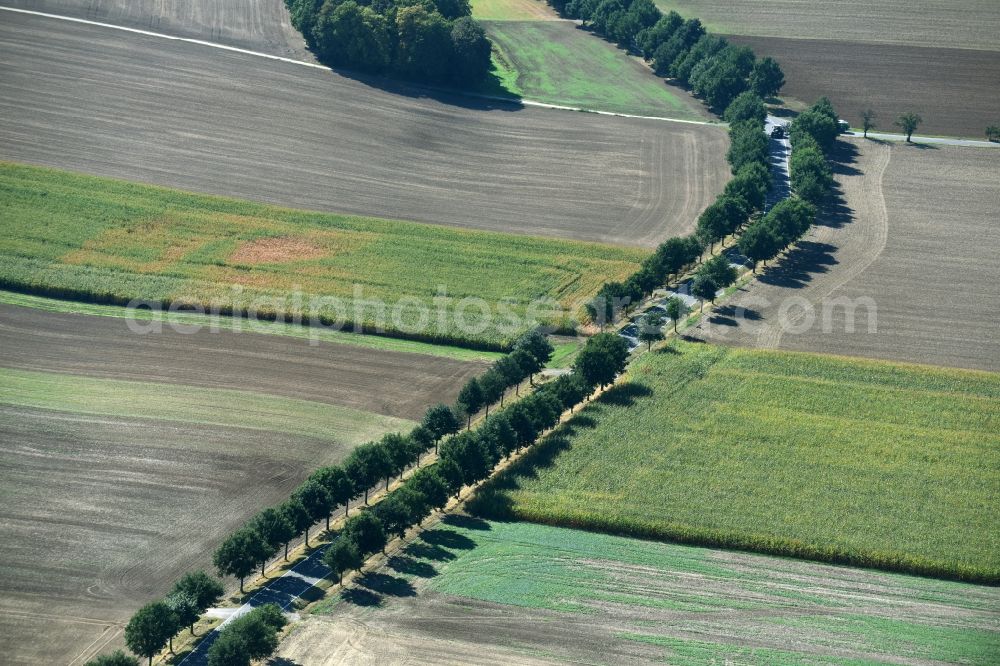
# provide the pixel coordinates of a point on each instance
(857, 462)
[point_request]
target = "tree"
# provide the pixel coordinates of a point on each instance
(296, 514)
(746, 106)
(602, 359)
(509, 370)
(758, 243)
(316, 501)
(149, 629)
(342, 555)
(705, 288)
(337, 483)
(868, 120)
(908, 122)
(422, 440)
(470, 454)
(747, 144)
(536, 344)
(116, 658)
(451, 474)
(993, 133)
(720, 270)
(766, 77)
(206, 590)
(401, 452)
(186, 612)
(569, 389)
(472, 51)
(470, 400)
(492, 386)
(365, 529)
(275, 528)
(676, 308)
(401, 510)
(651, 329)
(347, 34)
(366, 465)
(440, 420)
(424, 49)
(528, 362)
(239, 554)
(248, 637)
(428, 482)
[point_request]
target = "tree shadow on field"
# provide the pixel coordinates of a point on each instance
(732, 315)
(842, 156)
(625, 395)
(361, 597)
(449, 539)
(466, 522)
(385, 584)
(282, 661)
(405, 564)
(428, 551)
(797, 268)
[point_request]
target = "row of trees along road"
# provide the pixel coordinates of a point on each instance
(679, 49)
(430, 41)
(742, 199)
(813, 134)
(469, 457)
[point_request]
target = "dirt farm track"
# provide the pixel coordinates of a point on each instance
(172, 113)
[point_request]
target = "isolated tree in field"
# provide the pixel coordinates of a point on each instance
(149, 629)
(336, 481)
(239, 555)
(675, 310)
(342, 555)
(705, 288)
(602, 359)
(470, 400)
(758, 243)
(440, 420)
(317, 503)
(993, 133)
(908, 122)
(366, 531)
(766, 77)
(186, 612)
(868, 120)
(206, 590)
(116, 658)
(651, 329)
(275, 528)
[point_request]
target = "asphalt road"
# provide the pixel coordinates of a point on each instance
(173, 113)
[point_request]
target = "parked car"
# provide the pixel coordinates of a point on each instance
(778, 132)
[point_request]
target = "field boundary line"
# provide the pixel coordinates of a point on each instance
(235, 49)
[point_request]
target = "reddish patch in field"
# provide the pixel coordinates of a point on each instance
(275, 251)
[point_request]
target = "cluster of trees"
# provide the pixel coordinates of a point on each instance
(813, 133)
(249, 637)
(154, 626)
(431, 41)
(743, 197)
(469, 457)
(683, 50)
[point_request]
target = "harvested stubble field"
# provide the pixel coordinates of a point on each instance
(476, 592)
(232, 124)
(559, 63)
(128, 457)
(940, 58)
(866, 462)
(111, 241)
(257, 25)
(954, 90)
(909, 229)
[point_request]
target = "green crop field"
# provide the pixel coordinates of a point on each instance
(512, 10)
(110, 241)
(557, 63)
(633, 601)
(863, 462)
